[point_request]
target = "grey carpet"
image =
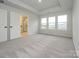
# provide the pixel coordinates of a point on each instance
(38, 46)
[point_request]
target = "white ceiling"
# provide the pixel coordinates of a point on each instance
(45, 6)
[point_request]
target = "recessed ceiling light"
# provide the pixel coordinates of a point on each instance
(39, 1)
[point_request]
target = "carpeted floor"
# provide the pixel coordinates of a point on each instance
(38, 46)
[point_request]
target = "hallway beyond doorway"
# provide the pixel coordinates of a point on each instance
(24, 26)
(24, 34)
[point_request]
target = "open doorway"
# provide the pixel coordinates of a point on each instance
(24, 26)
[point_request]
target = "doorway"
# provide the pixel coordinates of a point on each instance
(23, 26)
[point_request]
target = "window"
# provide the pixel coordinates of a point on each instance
(44, 23)
(51, 22)
(55, 22)
(62, 22)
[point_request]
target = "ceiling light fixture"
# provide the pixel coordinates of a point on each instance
(39, 1)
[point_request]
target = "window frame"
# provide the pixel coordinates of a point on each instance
(41, 23)
(52, 25)
(66, 23)
(56, 22)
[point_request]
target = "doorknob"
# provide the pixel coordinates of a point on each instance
(5, 27)
(11, 26)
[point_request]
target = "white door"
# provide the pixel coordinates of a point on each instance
(15, 24)
(3, 23)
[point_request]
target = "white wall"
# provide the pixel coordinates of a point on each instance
(76, 25)
(33, 18)
(67, 33)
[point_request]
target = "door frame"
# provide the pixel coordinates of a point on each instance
(8, 25)
(27, 23)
